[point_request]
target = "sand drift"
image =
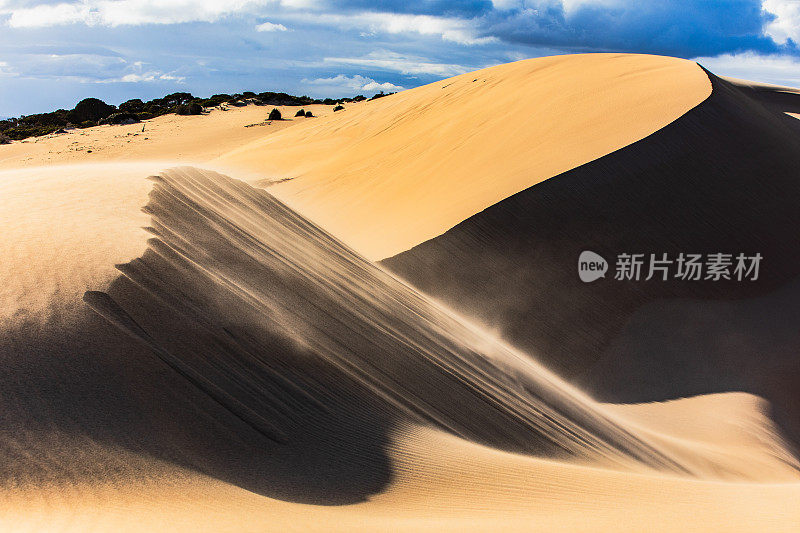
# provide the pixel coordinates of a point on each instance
(249, 301)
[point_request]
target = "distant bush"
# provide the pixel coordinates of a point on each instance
(274, 114)
(216, 100)
(90, 109)
(380, 95)
(120, 118)
(338, 107)
(300, 113)
(4, 139)
(174, 99)
(271, 98)
(192, 108)
(132, 106)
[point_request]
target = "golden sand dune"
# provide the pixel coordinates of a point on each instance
(188, 352)
(389, 174)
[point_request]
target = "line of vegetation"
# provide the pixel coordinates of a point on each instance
(93, 111)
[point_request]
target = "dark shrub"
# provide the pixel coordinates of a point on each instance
(155, 109)
(309, 114)
(132, 106)
(171, 100)
(338, 107)
(381, 95)
(189, 109)
(216, 100)
(272, 98)
(300, 113)
(4, 139)
(120, 118)
(90, 109)
(274, 114)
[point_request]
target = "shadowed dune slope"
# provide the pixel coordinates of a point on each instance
(388, 174)
(724, 178)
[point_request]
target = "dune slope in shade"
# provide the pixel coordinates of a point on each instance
(721, 179)
(388, 174)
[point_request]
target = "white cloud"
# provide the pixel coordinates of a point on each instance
(138, 12)
(787, 20)
(84, 68)
(409, 65)
(269, 26)
(129, 12)
(461, 31)
(777, 69)
(6, 70)
(144, 77)
(341, 84)
(570, 6)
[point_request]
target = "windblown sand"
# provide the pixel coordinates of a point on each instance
(189, 353)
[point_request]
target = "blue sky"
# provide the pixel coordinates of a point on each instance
(53, 53)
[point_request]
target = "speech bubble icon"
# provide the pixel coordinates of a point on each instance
(591, 266)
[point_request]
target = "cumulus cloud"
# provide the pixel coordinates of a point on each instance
(86, 68)
(341, 84)
(678, 27)
(269, 27)
(138, 12)
(404, 64)
(786, 22)
(6, 70)
(144, 77)
(682, 28)
(127, 12)
(777, 69)
(355, 42)
(453, 29)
